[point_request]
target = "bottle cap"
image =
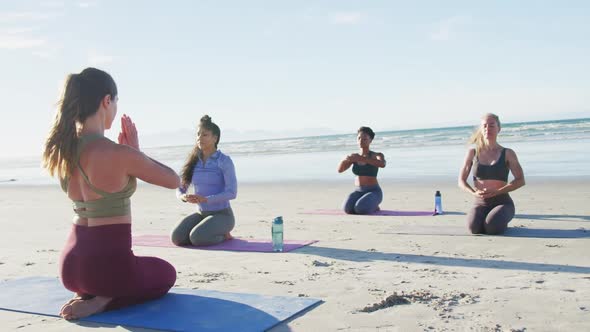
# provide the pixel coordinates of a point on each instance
(278, 220)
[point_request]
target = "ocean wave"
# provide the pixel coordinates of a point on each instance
(557, 130)
(561, 130)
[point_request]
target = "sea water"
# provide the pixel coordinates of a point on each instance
(545, 149)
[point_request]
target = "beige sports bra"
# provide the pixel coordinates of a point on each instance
(110, 204)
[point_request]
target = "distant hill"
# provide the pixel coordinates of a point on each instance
(187, 136)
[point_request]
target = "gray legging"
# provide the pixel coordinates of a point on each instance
(491, 215)
(203, 228)
(364, 200)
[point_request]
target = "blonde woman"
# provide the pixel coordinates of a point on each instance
(99, 176)
(490, 163)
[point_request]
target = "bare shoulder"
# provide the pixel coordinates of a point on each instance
(100, 150)
(118, 155)
(378, 154)
(469, 156)
(122, 148)
(103, 162)
(510, 153)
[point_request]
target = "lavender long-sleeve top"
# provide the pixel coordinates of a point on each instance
(216, 180)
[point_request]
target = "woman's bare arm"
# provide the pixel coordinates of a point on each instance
(139, 165)
(344, 164)
(517, 173)
(464, 172)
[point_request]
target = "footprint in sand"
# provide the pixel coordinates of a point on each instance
(322, 264)
(553, 246)
(389, 301)
(286, 282)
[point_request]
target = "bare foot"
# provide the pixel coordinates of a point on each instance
(78, 308)
(228, 236)
(78, 296)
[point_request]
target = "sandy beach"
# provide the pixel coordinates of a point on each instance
(536, 278)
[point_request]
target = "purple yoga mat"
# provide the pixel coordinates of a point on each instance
(334, 212)
(235, 244)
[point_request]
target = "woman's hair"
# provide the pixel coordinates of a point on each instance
(186, 174)
(477, 136)
(367, 131)
(81, 99)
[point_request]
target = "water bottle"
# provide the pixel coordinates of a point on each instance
(438, 203)
(277, 234)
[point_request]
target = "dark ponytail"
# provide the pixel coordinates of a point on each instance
(206, 123)
(186, 175)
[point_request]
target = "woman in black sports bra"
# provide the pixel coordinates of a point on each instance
(365, 165)
(491, 163)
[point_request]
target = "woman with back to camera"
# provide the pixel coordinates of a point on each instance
(365, 165)
(493, 208)
(212, 175)
(99, 176)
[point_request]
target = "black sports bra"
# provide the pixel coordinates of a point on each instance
(497, 171)
(365, 170)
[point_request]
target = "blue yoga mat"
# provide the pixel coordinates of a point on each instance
(180, 310)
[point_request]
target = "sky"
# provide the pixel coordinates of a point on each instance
(294, 68)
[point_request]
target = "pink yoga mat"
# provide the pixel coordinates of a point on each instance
(334, 212)
(236, 244)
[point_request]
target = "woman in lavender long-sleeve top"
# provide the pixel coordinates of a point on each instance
(213, 176)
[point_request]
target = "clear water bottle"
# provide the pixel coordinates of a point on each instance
(438, 203)
(277, 234)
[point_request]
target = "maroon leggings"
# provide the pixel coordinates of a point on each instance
(98, 261)
(491, 215)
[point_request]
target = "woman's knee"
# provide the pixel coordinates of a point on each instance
(212, 231)
(349, 209)
(496, 229)
(348, 206)
(475, 223)
(475, 228)
(169, 272)
(200, 239)
(366, 205)
(360, 211)
(363, 209)
(498, 219)
(475, 220)
(496, 226)
(160, 273)
(179, 238)
(180, 233)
